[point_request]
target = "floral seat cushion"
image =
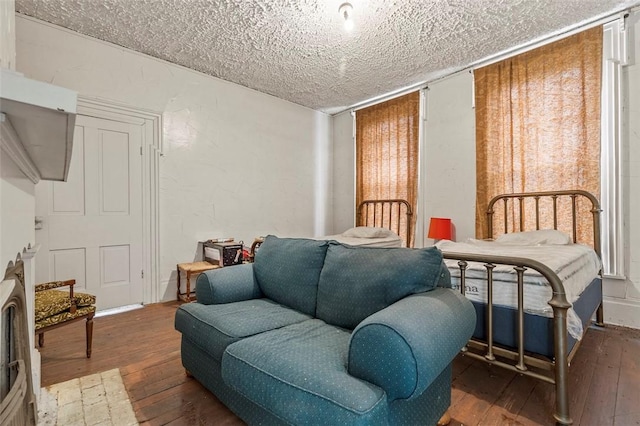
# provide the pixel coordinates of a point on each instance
(49, 303)
(84, 299)
(64, 316)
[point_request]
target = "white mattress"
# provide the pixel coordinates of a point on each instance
(575, 264)
(391, 241)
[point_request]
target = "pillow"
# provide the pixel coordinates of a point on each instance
(533, 238)
(288, 269)
(358, 281)
(368, 232)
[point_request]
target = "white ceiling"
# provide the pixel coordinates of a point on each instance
(298, 50)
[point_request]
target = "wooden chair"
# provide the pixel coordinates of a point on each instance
(56, 308)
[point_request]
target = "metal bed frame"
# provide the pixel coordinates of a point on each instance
(553, 371)
(387, 214)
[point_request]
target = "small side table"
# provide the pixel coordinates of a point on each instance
(191, 268)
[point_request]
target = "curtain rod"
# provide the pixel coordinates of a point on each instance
(541, 41)
(385, 97)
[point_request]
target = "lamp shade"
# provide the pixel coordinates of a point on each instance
(440, 228)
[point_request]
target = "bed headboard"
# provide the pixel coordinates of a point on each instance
(544, 210)
(393, 214)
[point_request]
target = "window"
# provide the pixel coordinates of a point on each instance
(538, 122)
(387, 151)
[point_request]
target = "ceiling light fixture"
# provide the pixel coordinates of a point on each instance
(346, 10)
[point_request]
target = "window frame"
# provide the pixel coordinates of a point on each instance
(614, 57)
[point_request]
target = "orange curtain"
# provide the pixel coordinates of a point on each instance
(387, 153)
(538, 125)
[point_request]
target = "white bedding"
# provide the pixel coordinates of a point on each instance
(575, 264)
(390, 241)
(369, 236)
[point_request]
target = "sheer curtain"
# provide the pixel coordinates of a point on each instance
(538, 124)
(387, 152)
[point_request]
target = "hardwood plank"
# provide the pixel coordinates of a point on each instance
(603, 377)
(601, 401)
(165, 408)
(506, 408)
(627, 401)
(540, 403)
(627, 420)
(151, 400)
(628, 394)
(581, 372)
(150, 328)
(192, 405)
(460, 365)
(479, 393)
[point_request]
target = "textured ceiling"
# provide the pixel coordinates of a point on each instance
(299, 50)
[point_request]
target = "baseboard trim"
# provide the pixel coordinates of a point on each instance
(118, 310)
(622, 312)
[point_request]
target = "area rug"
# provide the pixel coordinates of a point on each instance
(96, 399)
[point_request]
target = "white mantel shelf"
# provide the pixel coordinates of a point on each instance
(36, 125)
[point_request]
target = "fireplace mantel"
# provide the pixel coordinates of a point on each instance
(18, 399)
(28, 257)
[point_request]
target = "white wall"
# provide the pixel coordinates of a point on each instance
(449, 164)
(237, 163)
(7, 34)
(17, 202)
(343, 173)
(17, 210)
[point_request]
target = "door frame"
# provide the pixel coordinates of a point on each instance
(151, 152)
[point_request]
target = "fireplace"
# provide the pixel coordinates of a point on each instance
(17, 399)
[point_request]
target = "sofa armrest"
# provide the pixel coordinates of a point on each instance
(226, 285)
(405, 346)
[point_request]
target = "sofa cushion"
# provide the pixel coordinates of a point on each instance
(298, 373)
(288, 269)
(359, 281)
(214, 327)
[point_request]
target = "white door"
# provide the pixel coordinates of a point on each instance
(92, 224)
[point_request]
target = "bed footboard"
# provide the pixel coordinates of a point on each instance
(552, 371)
(572, 211)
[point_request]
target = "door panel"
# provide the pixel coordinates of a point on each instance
(114, 173)
(114, 266)
(69, 263)
(93, 223)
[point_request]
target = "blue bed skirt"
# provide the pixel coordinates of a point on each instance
(538, 330)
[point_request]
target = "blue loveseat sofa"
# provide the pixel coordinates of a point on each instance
(317, 332)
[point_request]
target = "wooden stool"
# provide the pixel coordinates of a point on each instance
(191, 268)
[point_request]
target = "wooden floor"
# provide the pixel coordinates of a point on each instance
(604, 376)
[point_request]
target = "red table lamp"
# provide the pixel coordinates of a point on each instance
(440, 228)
